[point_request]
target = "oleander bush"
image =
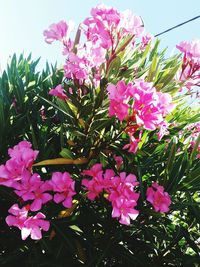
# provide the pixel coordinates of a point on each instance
(100, 158)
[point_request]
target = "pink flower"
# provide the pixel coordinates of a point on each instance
(101, 25)
(165, 103)
(120, 191)
(118, 109)
(23, 154)
(149, 106)
(146, 105)
(18, 216)
(119, 96)
(158, 198)
(33, 226)
(11, 173)
(94, 186)
(60, 32)
(123, 197)
(107, 26)
(190, 49)
(28, 225)
(190, 72)
(32, 188)
(77, 67)
(59, 92)
(146, 39)
(119, 161)
(63, 184)
(133, 146)
(85, 63)
(162, 130)
(94, 171)
(131, 24)
(22, 158)
(122, 185)
(123, 209)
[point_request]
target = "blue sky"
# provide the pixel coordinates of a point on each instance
(22, 22)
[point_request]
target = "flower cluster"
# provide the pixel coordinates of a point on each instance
(21, 160)
(107, 26)
(63, 185)
(158, 198)
(146, 106)
(29, 225)
(60, 32)
(17, 174)
(120, 191)
(103, 31)
(190, 72)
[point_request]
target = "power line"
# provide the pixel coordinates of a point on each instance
(179, 25)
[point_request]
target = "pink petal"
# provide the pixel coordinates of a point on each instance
(36, 205)
(25, 232)
(36, 233)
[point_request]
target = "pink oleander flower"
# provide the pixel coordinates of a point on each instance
(158, 198)
(22, 158)
(101, 25)
(59, 31)
(191, 50)
(76, 67)
(107, 26)
(84, 63)
(34, 225)
(11, 173)
(59, 92)
(119, 161)
(165, 103)
(190, 72)
(123, 197)
(64, 187)
(118, 109)
(32, 188)
(133, 146)
(18, 216)
(121, 185)
(119, 97)
(150, 106)
(94, 171)
(23, 154)
(94, 186)
(123, 209)
(131, 24)
(28, 225)
(162, 130)
(146, 39)
(146, 105)
(119, 191)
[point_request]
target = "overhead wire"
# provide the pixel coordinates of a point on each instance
(177, 26)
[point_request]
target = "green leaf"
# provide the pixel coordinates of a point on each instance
(66, 153)
(153, 69)
(114, 68)
(170, 161)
